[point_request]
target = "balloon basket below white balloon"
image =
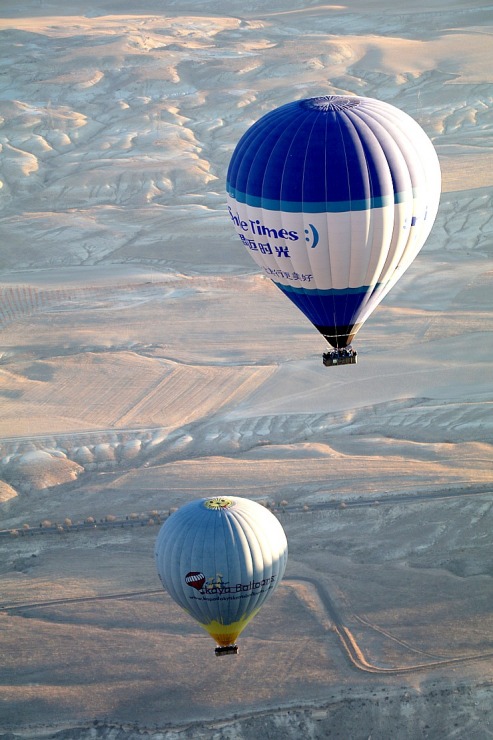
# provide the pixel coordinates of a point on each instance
(347, 356)
(227, 650)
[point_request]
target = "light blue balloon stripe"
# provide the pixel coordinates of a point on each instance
(318, 207)
(329, 292)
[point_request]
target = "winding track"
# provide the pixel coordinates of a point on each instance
(353, 651)
(350, 648)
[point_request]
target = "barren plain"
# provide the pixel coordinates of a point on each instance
(144, 362)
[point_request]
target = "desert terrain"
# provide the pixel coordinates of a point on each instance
(145, 361)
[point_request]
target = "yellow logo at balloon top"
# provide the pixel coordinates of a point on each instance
(219, 502)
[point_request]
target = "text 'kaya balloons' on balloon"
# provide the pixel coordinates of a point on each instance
(333, 197)
(221, 559)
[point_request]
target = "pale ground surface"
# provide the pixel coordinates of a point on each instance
(145, 362)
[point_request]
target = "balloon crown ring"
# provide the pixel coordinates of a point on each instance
(332, 102)
(217, 503)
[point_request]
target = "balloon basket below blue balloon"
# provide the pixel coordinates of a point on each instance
(347, 356)
(227, 650)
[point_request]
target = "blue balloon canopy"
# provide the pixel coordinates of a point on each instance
(334, 197)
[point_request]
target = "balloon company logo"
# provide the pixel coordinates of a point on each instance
(218, 503)
(217, 586)
(256, 228)
(195, 579)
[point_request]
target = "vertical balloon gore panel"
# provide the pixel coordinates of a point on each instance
(220, 559)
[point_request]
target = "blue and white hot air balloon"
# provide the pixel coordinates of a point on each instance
(334, 197)
(220, 559)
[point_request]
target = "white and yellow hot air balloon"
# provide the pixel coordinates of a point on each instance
(220, 559)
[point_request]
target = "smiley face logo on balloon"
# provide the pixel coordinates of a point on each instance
(218, 502)
(312, 236)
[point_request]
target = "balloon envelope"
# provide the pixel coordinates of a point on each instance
(333, 197)
(221, 559)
